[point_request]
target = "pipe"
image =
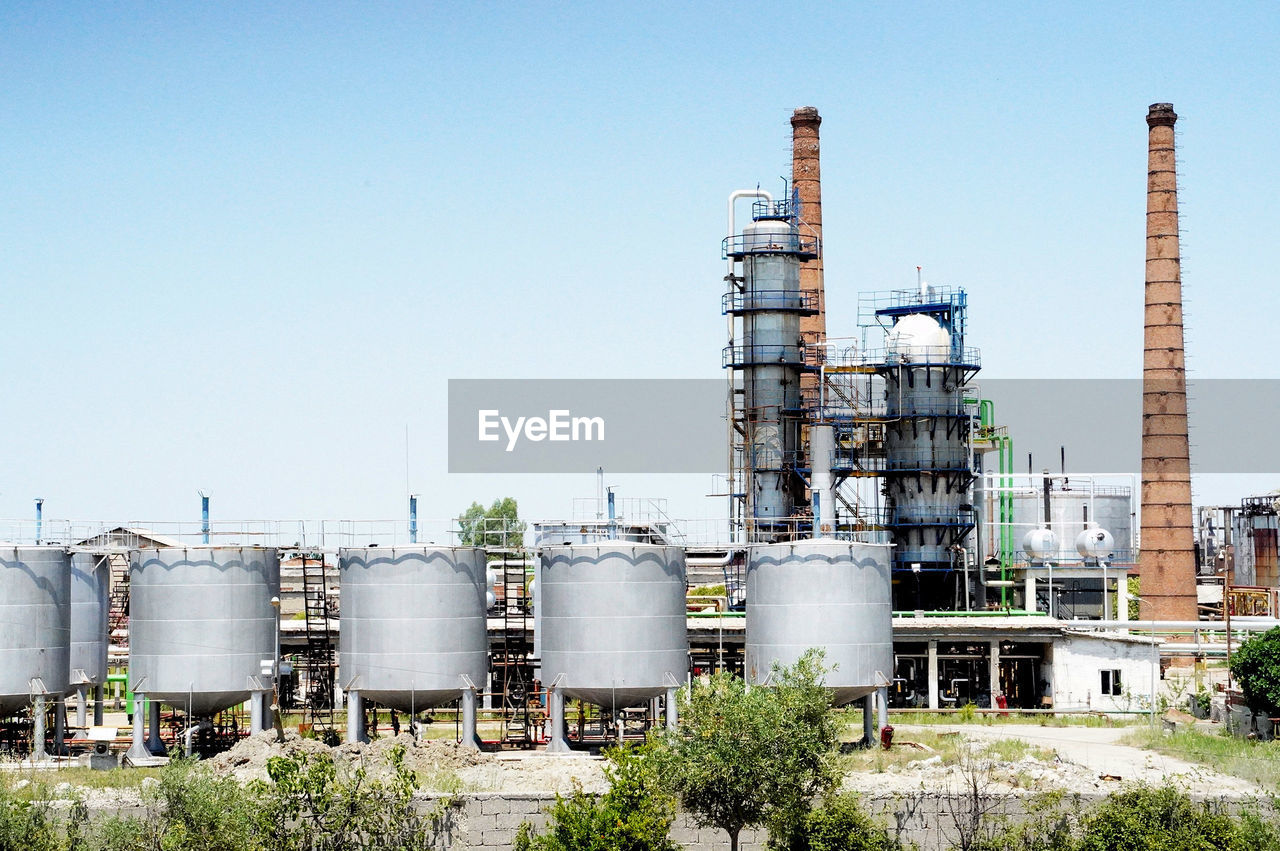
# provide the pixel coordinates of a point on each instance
(613, 517)
(673, 711)
(204, 517)
(734, 197)
(822, 448)
(729, 396)
(98, 696)
(39, 518)
(413, 518)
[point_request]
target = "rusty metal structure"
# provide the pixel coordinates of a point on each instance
(1167, 557)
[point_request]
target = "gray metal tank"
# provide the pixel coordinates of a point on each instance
(824, 593)
(90, 608)
(201, 623)
(35, 624)
(613, 621)
(413, 623)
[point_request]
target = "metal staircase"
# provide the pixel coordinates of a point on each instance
(319, 656)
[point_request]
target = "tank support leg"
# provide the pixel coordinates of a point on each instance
(38, 753)
(672, 710)
(138, 749)
(469, 737)
(98, 695)
(82, 705)
(557, 743)
(869, 720)
(355, 718)
(154, 745)
(60, 727)
(882, 699)
(260, 718)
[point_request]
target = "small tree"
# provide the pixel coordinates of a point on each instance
(743, 756)
(634, 815)
(499, 525)
(1256, 665)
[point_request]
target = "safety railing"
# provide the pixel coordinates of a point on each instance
(764, 355)
(802, 246)
(769, 301)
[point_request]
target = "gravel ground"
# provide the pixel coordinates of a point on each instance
(248, 759)
(1085, 760)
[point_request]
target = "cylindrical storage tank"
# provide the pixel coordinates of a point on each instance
(35, 624)
(824, 593)
(1071, 512)
(613, 621)
(201, 624)
(413, 623)
(90, 608)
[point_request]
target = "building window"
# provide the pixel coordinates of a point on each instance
(1111, 682)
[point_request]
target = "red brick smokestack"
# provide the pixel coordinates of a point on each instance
(1167, 559)
(806, 177)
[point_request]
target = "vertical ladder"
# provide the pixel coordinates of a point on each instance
(319, 654)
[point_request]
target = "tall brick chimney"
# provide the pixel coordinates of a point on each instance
(1167, 558)
(806, 176)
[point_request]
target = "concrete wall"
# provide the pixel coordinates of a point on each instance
(926, 819)
(1078, 661)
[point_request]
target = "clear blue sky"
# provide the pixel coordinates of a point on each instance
(243, 245)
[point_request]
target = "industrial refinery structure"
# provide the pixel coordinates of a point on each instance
(873, 511)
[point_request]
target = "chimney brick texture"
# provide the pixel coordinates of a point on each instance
(806, 177)
(1167, 557)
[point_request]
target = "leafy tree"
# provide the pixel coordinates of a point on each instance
(1256, 665)
(499, 525)
(634, 815)
(743, 756)
(838, 824)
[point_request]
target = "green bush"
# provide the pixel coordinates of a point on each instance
(311, 805)
(837, 824)
(25, 825)
(1157, 819)
(634, 815)
(192, 809)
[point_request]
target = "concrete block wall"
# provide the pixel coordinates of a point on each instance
(490, 821)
